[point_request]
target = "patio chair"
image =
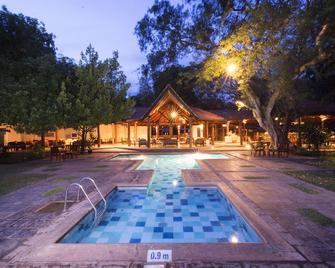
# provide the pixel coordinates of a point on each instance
(142, 142)
(258, 147)
(55, 152)
(283, 149)
(72, 151)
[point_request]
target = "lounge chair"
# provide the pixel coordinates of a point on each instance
(170, 142)
(199, 141)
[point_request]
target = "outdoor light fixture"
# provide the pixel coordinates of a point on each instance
(323, 117)
(231, 68)
(234, 239)
(173, 114)
(240, 104)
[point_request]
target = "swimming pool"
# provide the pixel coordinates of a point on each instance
(166, 211)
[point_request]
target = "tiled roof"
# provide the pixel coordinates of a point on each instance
(206, 115)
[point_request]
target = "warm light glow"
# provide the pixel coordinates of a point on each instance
(224, 125)
(201, 126)
(174, 183)
(234, 239)
(240, 104)
(178, 126)
(276, 118)
(323, 117)
(245, 121)
(236, 126)
(173, 114)
(231, 68)
(248, 147)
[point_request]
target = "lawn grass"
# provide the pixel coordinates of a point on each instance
(51, 169)
(65, 178)
(53, 191)
(324, 179)
(301, 187)
(12, 182)
(255, 177)
(327, 161)
(101, 166)
(316, 217)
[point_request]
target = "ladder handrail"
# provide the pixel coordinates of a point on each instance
(96, 187)
(80, 187)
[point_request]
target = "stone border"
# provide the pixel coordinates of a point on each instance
(42, 248)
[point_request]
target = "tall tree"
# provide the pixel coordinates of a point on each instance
(270, 50)
(29, 78)
(101, 96)
(273, 44)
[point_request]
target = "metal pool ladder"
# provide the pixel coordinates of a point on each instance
(97, 215)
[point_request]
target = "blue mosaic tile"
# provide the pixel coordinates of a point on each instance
(164, 213)
(168, 235)
(207, 228)
(188, 229)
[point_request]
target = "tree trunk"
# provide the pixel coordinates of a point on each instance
(43, 139)
(99, 139)
(262, 113)
(83, 140)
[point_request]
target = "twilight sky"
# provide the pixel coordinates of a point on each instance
(107, 24)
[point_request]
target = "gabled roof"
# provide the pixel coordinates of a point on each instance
(168, 95)
(168, 92)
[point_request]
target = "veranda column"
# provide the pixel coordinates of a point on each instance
(170, 130)
(157, 132)
(148, 133)
(135, 132)
(206, 130)
(178, 127)
(191, 134)
(241, 132)
(228, 123)
(128, 136)
(115, 133)
(213, 134)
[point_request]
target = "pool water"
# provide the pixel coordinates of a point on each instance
(166, 211)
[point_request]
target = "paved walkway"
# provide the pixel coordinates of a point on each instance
(273, 197)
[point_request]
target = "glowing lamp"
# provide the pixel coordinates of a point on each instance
(173, 114)
(231, 68)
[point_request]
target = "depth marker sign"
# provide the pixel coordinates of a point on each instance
(159, 255)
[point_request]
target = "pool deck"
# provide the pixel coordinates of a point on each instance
(27, 237)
